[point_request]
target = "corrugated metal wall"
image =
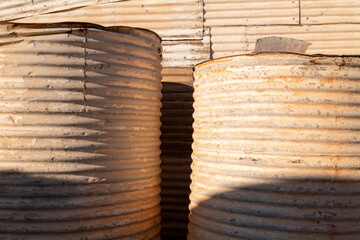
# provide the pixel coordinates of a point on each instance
(186, 53)
(171, 19)
(179, 22)
(13, 9)
(325, 39)
(334, 11)
(331, 26)
(247, 12)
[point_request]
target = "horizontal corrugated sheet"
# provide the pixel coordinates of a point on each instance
(13, 9)
(171, 19)
(186, 53)
(182, 75)
(176, 139)
(334, 11)
(248, 12)
(343, 39)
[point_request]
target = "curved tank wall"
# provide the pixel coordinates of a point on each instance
(80, 127)
(276, 148)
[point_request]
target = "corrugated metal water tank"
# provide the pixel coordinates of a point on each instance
(276, 151)
(80, 127)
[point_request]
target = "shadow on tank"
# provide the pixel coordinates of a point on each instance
(310, 207)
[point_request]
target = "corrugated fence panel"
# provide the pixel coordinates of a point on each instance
(245, 12)
(13, 9)
(176, 139)
(186, 53)
(342, 39)
(334, 11)
(171, 19)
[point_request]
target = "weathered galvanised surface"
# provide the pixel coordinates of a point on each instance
(276, 151)
(15, 9)
(79, 126)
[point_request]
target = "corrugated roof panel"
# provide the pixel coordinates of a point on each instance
(334, 11)
(13, 9)
(171, 19)
(186, 53)
(245, 12)
(342, 39)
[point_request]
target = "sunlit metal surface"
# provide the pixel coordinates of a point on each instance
(186, 53)
(339, 39)
(171, 19)
(80, 127)
(276, 148)
(330, 12)
(14, 9)
(244, 12)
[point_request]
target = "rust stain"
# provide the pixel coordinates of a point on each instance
(276, 148)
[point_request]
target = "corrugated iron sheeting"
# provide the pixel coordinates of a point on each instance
(276, 148)
(176, 139)
(186, 53)
(80, 127)
(343, 39)
(182, 75)
(334, 11)
(247, 12)
(13, 9)
(171, 19)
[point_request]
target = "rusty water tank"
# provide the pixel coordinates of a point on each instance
(276, 151)
(80, 127)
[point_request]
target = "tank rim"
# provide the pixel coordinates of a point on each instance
(228, 58)
(79, 25)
